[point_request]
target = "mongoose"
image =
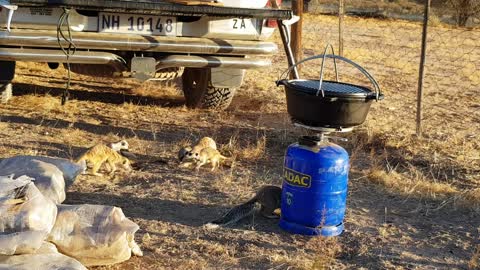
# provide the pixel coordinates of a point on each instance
(208, 155)
(201, 144)
(101, 153)
(182, 153)
(269, 199)
(118, 146)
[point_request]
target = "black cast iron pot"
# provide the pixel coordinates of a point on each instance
(329, 104)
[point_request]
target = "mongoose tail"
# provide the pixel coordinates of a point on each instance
(234, 215)
(268, 197)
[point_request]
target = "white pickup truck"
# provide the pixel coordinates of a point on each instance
(210, 46)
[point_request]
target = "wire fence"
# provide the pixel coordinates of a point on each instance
(385, 37)
(389, 45)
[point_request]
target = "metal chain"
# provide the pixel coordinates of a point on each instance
(68, 51)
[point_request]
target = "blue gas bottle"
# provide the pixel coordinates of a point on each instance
(314, 191)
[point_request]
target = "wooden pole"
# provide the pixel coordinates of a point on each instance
(341, 17)
(421, 76)
(297, 7)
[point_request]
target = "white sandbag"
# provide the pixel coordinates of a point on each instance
(94, 234)
(8, 184)
(45, 258)
(21, 242)
(48, 178)
(26, 216)
(69, 169)
(46, 248)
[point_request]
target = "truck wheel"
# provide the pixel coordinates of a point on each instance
(6, 76)
(199, 93)
(168, 74)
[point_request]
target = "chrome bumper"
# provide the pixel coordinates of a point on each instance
(138, 43)
(57, 56)
(120, 65)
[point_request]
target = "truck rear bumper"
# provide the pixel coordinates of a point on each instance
(120, 65)
(138, 43)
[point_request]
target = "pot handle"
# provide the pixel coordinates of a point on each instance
(323, 66)
(378, 92)
(376, 87)
(284, 74)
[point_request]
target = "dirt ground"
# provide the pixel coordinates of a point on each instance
(412, 203)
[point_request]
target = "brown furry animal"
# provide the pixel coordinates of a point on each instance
(208, 155)
(101, 153)
(201, 144)
(188, 155)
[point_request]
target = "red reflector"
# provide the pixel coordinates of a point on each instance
(272, 22)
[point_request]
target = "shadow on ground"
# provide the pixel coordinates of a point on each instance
(169, 131)
(156, 208)
(20, 89)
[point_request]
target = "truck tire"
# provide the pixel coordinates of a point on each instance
(168, 74)
(6, 76)
(8, 70)
(199, 93)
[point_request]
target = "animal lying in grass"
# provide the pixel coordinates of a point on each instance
(268, 197)
(100, 154)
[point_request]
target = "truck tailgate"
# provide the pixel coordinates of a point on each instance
(159, 7)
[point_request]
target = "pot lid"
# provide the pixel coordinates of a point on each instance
(330, 88)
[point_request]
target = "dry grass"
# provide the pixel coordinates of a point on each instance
(41, 104)
(471, 198)
(418, 186)
(324, 260)
(245, 150)
(254, 152)
(474, 262)
(401, 171)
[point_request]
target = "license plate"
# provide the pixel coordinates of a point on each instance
(137, 24)
(242, 25)
(234, 26)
